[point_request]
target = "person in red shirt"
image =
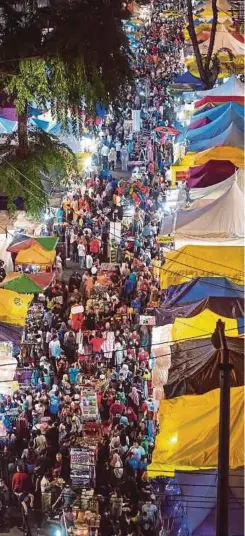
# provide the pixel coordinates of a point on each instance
(20, 481)
(143, 357)
(94, 246)
(117, 408)
(97, 342)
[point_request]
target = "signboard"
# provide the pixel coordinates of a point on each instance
(165, 239)
(147, 320)
(77, 309)
(115, 231)
(108, 266)
(113, 255)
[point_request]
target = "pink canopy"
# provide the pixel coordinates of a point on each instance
(199, 123)
(213, 172)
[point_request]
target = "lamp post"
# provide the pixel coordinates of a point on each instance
(222, 508)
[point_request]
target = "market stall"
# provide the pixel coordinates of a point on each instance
(35, 259)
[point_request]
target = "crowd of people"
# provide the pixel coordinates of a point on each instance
(88, 331)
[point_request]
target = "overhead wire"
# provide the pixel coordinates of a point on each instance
(190, 266)
(171, 354)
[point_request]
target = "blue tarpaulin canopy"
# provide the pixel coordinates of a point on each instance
(201, 288)
(214, 113)
(216, 127)
(188, 78)
(7, 126)
(232, 137)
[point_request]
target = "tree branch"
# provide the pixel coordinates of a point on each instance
(193, 36)
(212, 34)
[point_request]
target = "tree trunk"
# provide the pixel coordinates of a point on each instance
(206, 75)
(212, 34)
(22, 150)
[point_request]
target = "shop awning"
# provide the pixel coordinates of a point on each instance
(213, 112)
(222, 306)
(226, 152)
(214, 191)
(190, 262)
(189, 432)
(211, 173)
(10, 333)
(27, 283)
(195, 367)
(48, 243)
(204, 324)
(231, 137)
(220, 220)
(14, 307)
(188, 78)
(35, 255)
(214, 127)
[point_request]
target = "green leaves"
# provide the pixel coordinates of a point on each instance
(73, 55)
(22, 178)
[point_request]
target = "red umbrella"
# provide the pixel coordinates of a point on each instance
(168, 130)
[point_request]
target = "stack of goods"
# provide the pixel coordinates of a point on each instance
(83, 466)
(89, 405)
(87, 519)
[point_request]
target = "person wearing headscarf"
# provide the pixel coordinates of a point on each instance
(116, 465)
(133, 400)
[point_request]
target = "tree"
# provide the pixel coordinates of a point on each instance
(208, 66)
(73, 55)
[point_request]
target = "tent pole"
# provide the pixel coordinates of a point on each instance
(222, 508)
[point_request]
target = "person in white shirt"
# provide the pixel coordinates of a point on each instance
(104, 153)
(118, 146)
(54, 347)
(81, 254)
(58, 265)
(89, 261)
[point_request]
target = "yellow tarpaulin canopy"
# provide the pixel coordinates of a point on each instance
(35, 255)
(226, 152)
(237, 65)
(189, 431)
(14, 307)
(203, 261)
(204, 27)
(202, 325)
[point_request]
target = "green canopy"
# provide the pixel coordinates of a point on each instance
(27, 283)
(47, 242)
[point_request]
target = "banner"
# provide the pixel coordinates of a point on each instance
(165, 239)
(108, 266)
(136, 120)
(147, 320)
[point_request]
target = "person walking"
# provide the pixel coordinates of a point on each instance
(81, 249)
(112, 158)
(124, 158)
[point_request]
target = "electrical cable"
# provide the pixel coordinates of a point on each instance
(146, 346)
(189, 266)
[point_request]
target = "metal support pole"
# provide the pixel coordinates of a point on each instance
(222, 508)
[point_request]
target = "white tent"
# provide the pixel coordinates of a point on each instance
(216, 190)
(233, 87)
(224, 39)
(221, 221)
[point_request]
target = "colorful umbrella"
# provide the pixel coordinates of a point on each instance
(167, 130)
(27, 283)
(21, 242)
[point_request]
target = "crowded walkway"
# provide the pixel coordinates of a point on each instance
(82, 424)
